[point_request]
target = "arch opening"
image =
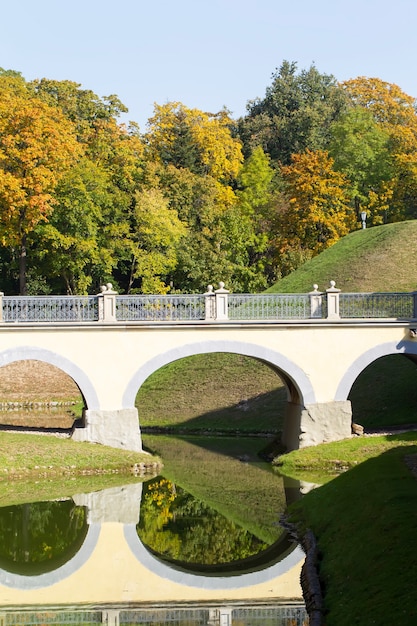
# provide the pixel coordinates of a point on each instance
(218, 392)
(87, 393)
(384, 394)
(297, 384)
(35, 394)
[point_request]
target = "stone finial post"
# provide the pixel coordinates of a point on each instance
(316, 302)
(333, 302)
(222, 304)
(107, 304)
(210, 304)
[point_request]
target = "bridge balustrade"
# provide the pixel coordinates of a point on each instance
(49, 308)
(160, 308)
(269, 306)
(377, 305)
(219, 305)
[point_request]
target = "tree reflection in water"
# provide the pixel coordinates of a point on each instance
(40, 536)
(177, 526)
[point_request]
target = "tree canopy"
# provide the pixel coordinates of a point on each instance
(198, 197)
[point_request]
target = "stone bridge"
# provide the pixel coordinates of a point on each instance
(318, 343)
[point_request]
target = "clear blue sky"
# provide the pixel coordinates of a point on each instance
(205, 54)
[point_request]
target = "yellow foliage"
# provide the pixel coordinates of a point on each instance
(37, 145)
(220, 154)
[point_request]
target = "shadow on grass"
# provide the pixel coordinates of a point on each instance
(261, 414)
(365, 523)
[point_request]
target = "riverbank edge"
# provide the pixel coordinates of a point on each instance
(309, 577)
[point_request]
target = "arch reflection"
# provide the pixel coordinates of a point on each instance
(40, 537)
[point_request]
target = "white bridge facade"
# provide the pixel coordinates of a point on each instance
(318, 343)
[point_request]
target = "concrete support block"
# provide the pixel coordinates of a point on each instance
(321, 423)
(117, 429)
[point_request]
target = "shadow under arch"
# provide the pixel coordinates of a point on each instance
(256, 572)
(298, 384)
(23, 353)
(407, 348)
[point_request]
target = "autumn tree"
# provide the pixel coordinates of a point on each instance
(196, 160)
(88, 240)
(37, 146)
(316, 212)
(201, 142)
(395, 114)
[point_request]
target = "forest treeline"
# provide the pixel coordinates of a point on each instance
(196, 197)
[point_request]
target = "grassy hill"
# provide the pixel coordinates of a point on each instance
(383, 258)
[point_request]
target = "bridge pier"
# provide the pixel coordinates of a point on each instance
(316, 423)
(117, 428)
(328, 421)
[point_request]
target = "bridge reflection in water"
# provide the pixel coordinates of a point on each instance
(114, 579)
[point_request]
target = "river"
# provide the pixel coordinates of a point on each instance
(200, 544)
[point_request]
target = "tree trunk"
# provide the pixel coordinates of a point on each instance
(22, 268)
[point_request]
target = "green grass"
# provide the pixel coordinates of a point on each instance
(333, 458)
(365, 522)
(220, 392)
(25, 456)
(379, 259)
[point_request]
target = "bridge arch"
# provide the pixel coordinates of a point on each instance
(298, 384)
(23, 353)
(408, 348)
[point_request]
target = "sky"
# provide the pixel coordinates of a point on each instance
(206, 54)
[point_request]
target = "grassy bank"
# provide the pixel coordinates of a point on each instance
(30, 456)
(364, 521)
(330, 459)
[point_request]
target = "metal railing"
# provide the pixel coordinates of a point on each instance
(244, 616)
(377, 305)
(160, 308)
(271, 306)
(50, 308)
(213, 306)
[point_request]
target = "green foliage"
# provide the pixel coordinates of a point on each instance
(360, 148)
(296, 113)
